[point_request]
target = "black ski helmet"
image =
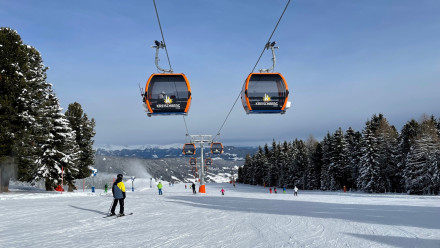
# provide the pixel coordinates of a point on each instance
(120, 176)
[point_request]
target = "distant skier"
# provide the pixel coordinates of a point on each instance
(275, 189)
(118, 191)
(105, 188)
(295, 191)
(159, 187)
(284, 190)
(223, 191)
(270, 190)
(193, 186)
(185, 186)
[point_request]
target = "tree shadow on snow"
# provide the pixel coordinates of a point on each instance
(90, 210)
(399, 241)
(414, 216)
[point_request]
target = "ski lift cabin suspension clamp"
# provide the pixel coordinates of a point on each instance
(271, 46)
(160, 45)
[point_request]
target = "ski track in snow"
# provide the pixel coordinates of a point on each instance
(246, 216)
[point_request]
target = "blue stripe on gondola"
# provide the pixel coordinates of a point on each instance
(265, 111)
(168, 113)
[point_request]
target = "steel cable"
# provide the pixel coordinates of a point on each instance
(262, 52)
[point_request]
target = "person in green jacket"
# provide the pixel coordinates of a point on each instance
(159, 187)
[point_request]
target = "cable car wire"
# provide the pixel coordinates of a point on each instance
(268, 41)
(262, 52)
(186, 127)
(168, 57)
(163, 38)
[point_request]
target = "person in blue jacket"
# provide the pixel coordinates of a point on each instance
(118, 191)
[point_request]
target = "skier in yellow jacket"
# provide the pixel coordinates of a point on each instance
(118, 191)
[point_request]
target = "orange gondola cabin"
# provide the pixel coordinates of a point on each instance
(193, 161)
(216, 148)
(208, 161)
(265, 93)
(189, 149)
(167, 94)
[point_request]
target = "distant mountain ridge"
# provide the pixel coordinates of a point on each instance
(170, 151)
(108, 147)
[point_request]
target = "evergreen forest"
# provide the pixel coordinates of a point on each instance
(376, 160)
(38, 140)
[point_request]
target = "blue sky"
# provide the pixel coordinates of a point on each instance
(344, 61)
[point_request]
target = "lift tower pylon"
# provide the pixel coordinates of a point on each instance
(201, 140)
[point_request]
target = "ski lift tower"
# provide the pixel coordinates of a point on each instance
(201, 140)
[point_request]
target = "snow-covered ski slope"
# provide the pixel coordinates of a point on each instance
(246, 216)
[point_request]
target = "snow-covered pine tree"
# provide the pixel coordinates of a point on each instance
(386, 137)
(22, 91)
(438, 127)
(313, 170)
(406, 140)
(353, 155)
(32, 98)
(421, 172)
(287, 172)
(59, 148)
(338, 169)
(84, 130)
(12, 82)
(327, 153)
(240, 175)
(274, 167)
(369, 179)
(301, 163)
(316, 167)
(297, 160)
(267, 165)
(245, 177)
(259, 162)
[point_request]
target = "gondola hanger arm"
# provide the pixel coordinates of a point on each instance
(271, 46)
(160, 45)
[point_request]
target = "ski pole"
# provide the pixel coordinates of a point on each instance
(108, 212)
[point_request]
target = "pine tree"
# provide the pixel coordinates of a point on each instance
(386, 137)
(246, 169)
(259, 162)
(276, 171)
(327, 153)
(286, 174)
(22, 76)
(314, 157)
(23, 89)
(12, 81)
(421, 172)
(84, 130)
(59, 148)
(240, 175)
(406, 140)
(438, 127)
(353, 153)
(302, 163)
(370, 179)
(338, 168)
(316, 167)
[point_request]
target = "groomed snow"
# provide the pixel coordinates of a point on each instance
(246, 216)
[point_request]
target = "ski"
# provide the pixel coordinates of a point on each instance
(109, 216)
(124, 215)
